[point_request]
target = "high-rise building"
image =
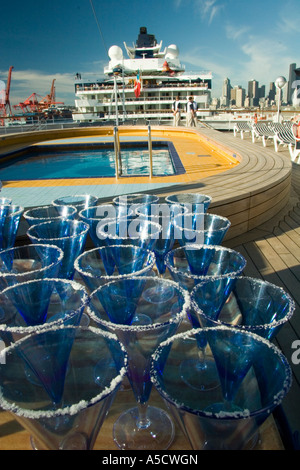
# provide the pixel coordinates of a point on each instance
(262, 91)
(272, 92)
(226, 89)
(290, 88)
(239, 96)
(253, 92)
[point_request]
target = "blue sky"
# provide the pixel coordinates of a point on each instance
(238, 39)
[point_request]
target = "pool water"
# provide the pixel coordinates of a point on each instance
(85, 163)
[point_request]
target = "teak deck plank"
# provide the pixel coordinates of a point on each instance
(273, 254)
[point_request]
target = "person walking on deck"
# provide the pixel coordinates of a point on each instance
(176, 112)
(191, 113)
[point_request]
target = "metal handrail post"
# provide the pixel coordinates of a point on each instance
(150, 151)
(116, 146)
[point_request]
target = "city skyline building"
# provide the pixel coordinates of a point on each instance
(226, 91)
(253, 92)
(255, 95)
(240, 96)
(291, 79)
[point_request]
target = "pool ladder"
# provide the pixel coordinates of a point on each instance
(117, 148)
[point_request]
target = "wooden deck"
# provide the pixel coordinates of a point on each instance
(262, 197)
(272, 251)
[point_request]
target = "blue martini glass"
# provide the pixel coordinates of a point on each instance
(246, 303)
(96, 216)
(190, 265)
(80, 201)
(130, 231)
(101, 265)
(10, 216)
(35, 305)
(42, 214)
(141, 330)
(254, 378)
(29, 262)
(69, 235)
(201, 228)
(195, 202)
(164, 215)
(130, 202)
(72, 418)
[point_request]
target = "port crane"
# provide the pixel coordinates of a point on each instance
(49, 100)
(37, 104)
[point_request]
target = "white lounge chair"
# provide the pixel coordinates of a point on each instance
(242, 127)
(286, 138)
(280, 127)
(262, 131)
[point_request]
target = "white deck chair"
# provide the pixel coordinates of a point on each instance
(242, 127)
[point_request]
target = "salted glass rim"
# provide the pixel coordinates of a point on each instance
(82, 404)
(117, 237)
(8, 199)
(45, 326)
(84, 230)
(208, 247)
(206, 197)
(117, 326)
(139, 214)
(84, 196)
(118, 217)
(31, 217)
(41, 245)
(13, 213)
(206, 216)
(263, 326)
(154, 196)
(223, 415)
(151, 256)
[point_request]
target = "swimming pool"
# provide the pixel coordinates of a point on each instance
(49, 162)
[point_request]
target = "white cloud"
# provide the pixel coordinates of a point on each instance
(26, 82)
(209, 9)
(219, 71)
(265, 59)
(235, 33)
(289, 25)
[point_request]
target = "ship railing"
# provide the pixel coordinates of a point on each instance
(202, 86)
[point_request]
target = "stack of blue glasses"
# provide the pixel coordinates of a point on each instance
(166, 305)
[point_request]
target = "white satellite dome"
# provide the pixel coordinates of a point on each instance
(115, 53)
(172, 52)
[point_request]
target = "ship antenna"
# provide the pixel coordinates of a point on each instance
(98, 25)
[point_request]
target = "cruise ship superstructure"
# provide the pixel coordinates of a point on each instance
(142, 86)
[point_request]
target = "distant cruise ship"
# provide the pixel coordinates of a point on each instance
(142, 87)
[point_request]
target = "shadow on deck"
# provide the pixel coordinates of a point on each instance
(272, 251)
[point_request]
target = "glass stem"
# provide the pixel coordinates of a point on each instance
(143, 422)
